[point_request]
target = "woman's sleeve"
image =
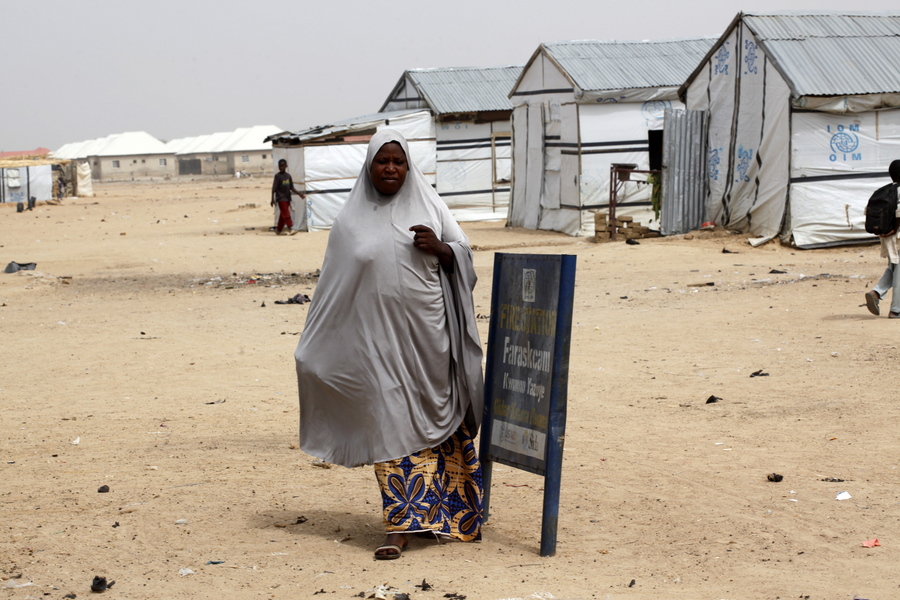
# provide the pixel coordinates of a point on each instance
(450, 229)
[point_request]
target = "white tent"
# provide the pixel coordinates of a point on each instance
(459, 121)
(804, 117)
(18, 184)
(580, 107)
(472, 113)
(83, 183)
(325, 161)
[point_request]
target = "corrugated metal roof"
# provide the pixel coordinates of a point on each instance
(251, 138)
(176, 145)
(613, 65)
(133, 143)
(344, 127)
(467, 89)
(117, 144)
(22, 153)
(832, 54)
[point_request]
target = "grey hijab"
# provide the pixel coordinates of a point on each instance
(389, 362)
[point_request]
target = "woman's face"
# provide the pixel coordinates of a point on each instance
(389, 168)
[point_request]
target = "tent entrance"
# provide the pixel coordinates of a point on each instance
(684, 180)
(528, 165)
(500, 166)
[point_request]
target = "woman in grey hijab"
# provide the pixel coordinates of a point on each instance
(389, 362)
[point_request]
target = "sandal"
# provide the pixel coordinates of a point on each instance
(872, 303)
(395, 552)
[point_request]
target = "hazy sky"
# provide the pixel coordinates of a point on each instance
(74, 71)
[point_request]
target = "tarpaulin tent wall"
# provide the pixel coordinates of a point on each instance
(804, 117)
(580, 107)
(459, 121)
(325, 161)
(83, 182)
(472, 113)
(18, 184)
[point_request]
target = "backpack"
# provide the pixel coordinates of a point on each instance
(881, 210)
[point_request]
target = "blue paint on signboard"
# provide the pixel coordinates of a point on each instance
(527, 373)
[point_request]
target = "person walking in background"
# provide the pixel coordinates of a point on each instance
(282, 188)
(890, 249)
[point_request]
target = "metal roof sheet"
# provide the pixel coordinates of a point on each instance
(133, 143)
(83, 149)
(251, 138)
(616, 65)
(346, 126)
(832, 54)
(176, 145)
(207, 144)
(465, 89)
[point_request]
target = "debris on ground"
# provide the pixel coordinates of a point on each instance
(100, 584)
(295, 299)
(15, 267)
(236, 280)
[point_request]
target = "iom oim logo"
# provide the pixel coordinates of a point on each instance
(844, 142)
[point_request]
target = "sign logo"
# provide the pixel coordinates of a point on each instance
(722, 61)
(714, 160)
(529, 284)
(654, 110)
(751, 56)
(744, 157)
(844, 143)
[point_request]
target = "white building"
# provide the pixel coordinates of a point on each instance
(123, 156)
(226, 153)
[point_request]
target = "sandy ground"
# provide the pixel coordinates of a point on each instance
(140, 356)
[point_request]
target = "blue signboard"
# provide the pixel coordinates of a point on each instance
(527, 373)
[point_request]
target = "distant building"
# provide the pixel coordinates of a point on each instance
(24, 153)
(226, 153)
(123, 157)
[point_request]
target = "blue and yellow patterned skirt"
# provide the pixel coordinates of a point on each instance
(437, 489)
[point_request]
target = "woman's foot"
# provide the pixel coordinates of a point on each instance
(392, 548)
(872, 302)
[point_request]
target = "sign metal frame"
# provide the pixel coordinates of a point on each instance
(530, 333)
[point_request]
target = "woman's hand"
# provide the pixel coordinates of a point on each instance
(427, 241)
